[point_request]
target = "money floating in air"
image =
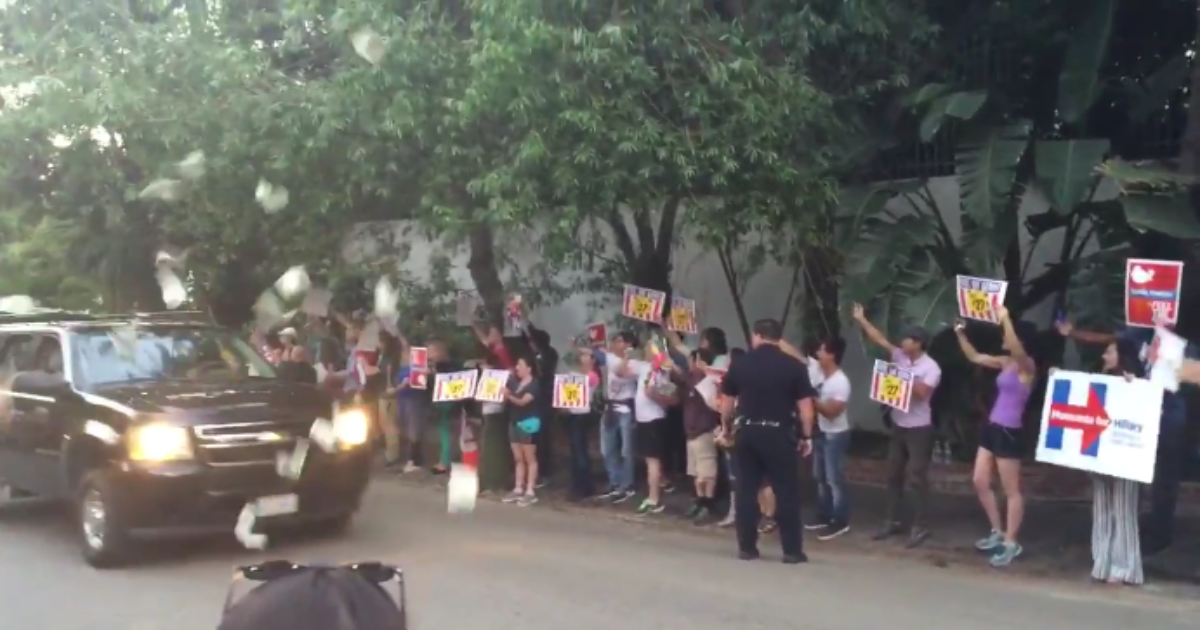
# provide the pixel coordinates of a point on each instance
(192, 166)
(271, 197)
(167, 259)
(163, 190)
(293, 282)
(174, 293)
(462, 490)
(386, 298)
(268, 310)
(368, 44)
(124, 340)
(17, 304)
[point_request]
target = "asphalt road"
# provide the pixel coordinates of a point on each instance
(537, 568)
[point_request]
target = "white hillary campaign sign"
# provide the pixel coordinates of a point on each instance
(1102, 424)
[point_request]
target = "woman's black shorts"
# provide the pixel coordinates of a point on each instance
(1001, 442)
(648, 438)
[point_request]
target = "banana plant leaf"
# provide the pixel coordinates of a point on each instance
(1066, 170)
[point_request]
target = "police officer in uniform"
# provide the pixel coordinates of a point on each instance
(771, 428)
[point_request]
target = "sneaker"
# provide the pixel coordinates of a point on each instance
(668, 487)
(729, 520)
(990, 544)
(887, 531)
(650, 508)
(527, 500)
(833, 530)
(917, 537)
(541, 483)
(818, 524)
(1005, 554)
(695, 511)
(513, 497)
(704, 517)
(609, 494)
(767, 525)
(623, 496)
(410, 467)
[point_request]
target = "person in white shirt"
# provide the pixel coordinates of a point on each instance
(655, 393)
(829, 452)
(616, 424)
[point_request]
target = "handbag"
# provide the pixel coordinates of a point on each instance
(530, 425)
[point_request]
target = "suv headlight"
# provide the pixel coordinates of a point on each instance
(159, 442)
(351, 427)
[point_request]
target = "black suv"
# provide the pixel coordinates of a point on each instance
(157, 425)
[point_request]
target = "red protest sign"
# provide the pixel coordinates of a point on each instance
(418, 362)
(597, 334)
(1152, 291)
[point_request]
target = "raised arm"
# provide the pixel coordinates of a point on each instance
(676, 341)
(1016, 349)
(1067, 329)
(872, 333)
(973, 355)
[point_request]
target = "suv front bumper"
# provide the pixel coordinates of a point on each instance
(183, 498)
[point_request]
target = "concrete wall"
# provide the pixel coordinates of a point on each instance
(697, 274)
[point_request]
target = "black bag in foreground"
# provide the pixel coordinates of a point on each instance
(281, 595)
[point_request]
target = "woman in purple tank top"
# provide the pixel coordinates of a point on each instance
(1000, 445)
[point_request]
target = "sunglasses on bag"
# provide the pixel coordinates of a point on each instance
(376, 573)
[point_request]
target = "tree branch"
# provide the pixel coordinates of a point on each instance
(724, 255)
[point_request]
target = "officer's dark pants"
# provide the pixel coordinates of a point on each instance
(764, 453)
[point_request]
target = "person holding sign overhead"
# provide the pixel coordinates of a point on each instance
(1000, 443)
(522, 399)
(910, 448)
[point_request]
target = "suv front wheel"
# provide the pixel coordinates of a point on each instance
(99, 520)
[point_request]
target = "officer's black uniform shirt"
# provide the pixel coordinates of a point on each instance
(767, 383)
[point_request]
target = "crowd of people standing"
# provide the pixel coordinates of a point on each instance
(675, 413)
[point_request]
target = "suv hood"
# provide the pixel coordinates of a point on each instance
(218, 403)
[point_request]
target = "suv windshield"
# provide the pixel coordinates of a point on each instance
(105, 357)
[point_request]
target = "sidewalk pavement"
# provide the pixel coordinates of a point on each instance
(1056, 535)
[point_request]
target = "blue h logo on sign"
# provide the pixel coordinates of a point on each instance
(1060, 395)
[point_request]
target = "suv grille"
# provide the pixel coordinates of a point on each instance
(247, 443)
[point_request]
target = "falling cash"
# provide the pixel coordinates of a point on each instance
(244, 530)
(163, 189)
(323, 435)
(368, 44)
(174, 293)
(386, 298)
(192, 166)
(166, 258)
(463, 489)
(293, 282)
(124, 340)
(268, 310)
(17, 304)
(291, 465)
(271, 197)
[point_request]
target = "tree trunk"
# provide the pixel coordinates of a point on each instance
(484, 273)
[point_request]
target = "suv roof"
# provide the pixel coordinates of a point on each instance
(71, 319)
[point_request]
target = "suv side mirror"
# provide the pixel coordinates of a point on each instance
(41, 383)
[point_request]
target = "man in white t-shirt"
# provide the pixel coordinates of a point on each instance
(616, 423)
(829, 450)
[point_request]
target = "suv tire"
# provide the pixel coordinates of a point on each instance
(99, 521)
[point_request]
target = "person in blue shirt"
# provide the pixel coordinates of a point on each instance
(1157, 526)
